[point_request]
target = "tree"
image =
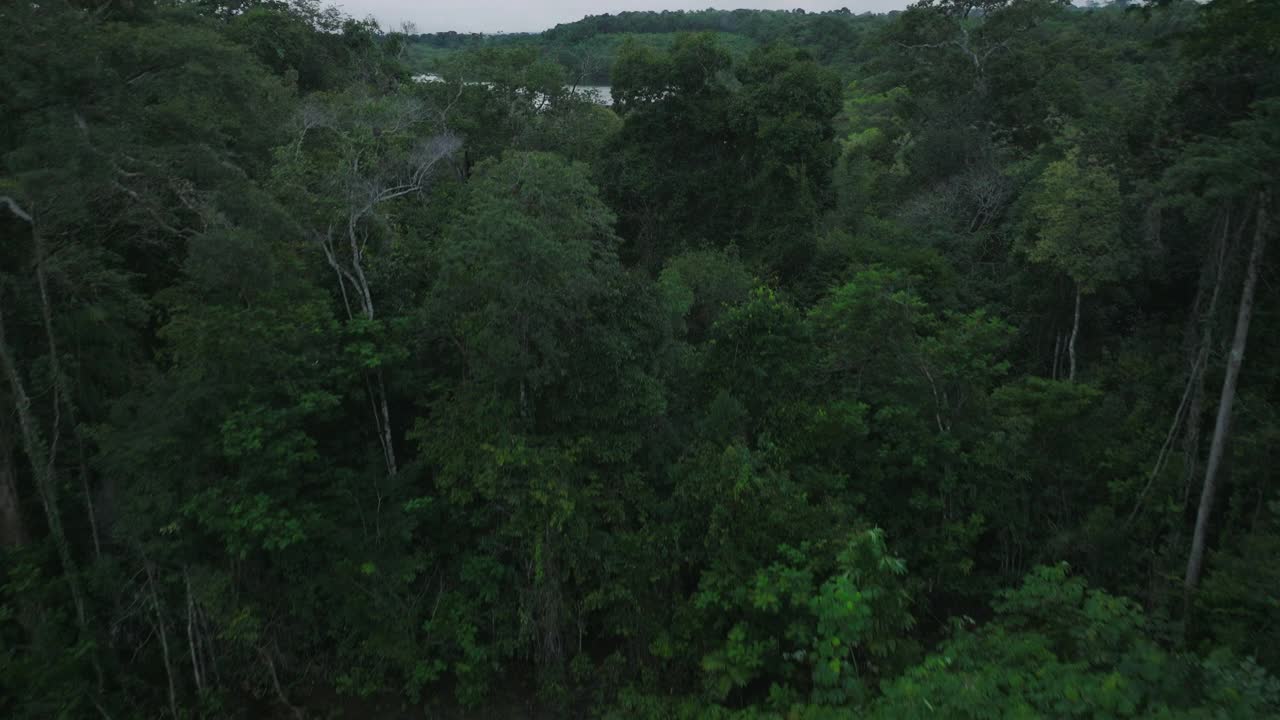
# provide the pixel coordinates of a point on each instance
(691, 120)
(1240, 164)
(820, 623)
(1058, 647)
(550, 353)
(350, 161)
(1077, 229)
(784, 114)
(40, 442)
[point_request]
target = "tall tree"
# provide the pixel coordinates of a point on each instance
(351, 160)
(1077, 229)
(1238, 165)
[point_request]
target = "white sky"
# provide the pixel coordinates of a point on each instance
(535, 15)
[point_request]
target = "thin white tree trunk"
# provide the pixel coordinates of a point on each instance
(1071, 344)
(382, 411)
(374, 383)
(1222, 426)
(164, 638)
(192, 634)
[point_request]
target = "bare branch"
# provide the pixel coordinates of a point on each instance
(16, 209)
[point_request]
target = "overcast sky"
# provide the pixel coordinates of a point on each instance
(535, 15)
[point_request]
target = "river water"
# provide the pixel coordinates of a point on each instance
(599, 94)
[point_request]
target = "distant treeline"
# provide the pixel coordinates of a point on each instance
(588, 48)
(762, 25)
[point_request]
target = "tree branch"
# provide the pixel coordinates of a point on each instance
(16, 209)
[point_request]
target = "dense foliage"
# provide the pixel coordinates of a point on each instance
(920, 365)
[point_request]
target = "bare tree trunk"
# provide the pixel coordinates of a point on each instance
(548, 606)
(384, 426)
(383, 408)
(1222, 426)
(43, 456)
(164, 638)
(1191, 440)
(275, 682)
(1057, 353)
(1165, 449)
(13, 531)
(192, 635)
(1199, 335)
(88, 496)
(42, 460)
(365, 194)
(210, 652)
(1071, 344)
(374, 383)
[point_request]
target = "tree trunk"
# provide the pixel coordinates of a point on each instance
(1191, 439)
(164, 638)
(1198, 338)
(88, 496)
(63, 393)
(13, 531)
(1071, 344)
(275, 682)
(374, 383)
(193, 633)
(43, 456)
(42, 467)
(382, 413)
(1057, 354)
(1222, 426)
(210, 652)
(385, 436)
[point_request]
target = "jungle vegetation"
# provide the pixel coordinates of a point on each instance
(923, 365)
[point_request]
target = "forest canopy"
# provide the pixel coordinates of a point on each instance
(920, 365)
